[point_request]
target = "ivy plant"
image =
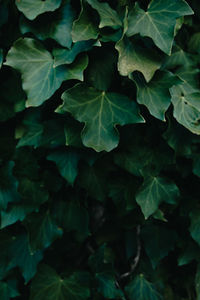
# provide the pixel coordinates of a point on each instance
(99, 149)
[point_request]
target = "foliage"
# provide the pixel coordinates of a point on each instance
(99, 149)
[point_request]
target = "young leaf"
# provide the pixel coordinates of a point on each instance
(48, 285)
(32, 8)
(153, 191)
(158, 22)
(142, 289)
(101, 112)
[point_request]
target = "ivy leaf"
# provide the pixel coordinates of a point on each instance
(104, 112)
(8, 291)
(65, 56)
(8, 186)
(155, 95)
(57, 25)
(142, 289)
(67, 163)
(133, 57)
(158, 242)
(84, 28)
(186, 109)
(40, 79)
(195, 225)
(21, 257)
(48, 285)
(32, 8)
(107, 287)
(158, 22)
(42, 230)
(153, 191)
(107, 15)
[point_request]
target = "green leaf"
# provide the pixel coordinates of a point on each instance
(32, 8)
(42, 230)
(48, 285)
(8, 186)
(72, 216)
(7, 291)
(84, 28)
(65, 56)
(186, 109)
(67, 163)
(104, 112)
(195, 225)
(20, 256)
(40, 78)
(39, 75)
(153, 191)
(133, 57)
(155, 95)
(107, 286)
(108, 16)
(142, 289)
(158, 242)
(57, 25)
(194, 43)
(158, 22)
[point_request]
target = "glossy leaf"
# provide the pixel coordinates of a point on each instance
(104, 112)
(158, 22)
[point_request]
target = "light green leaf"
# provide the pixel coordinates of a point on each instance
(101, 112)
(21, 257)
(178, 58)
(189, 77)
(65, 56)
(32, 8)
(155, 95)
(186, 109)
(142, 289)
(57, 26)
(39, 75)
(84, 28)
(132, 58)
(7, 291)
(195, 225)
(40, 78)
(67, 163)
(42, 230)
(153, 191)
(158, 242)
(158, 22)
(48, 285)
(107, 287)
(107, 15)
